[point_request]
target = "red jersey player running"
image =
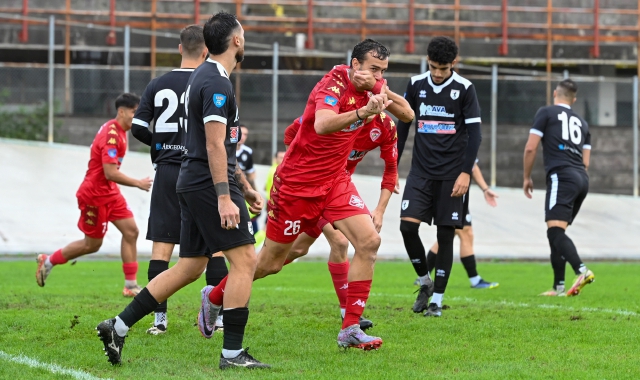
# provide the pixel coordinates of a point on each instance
(100, 200)
(312, 181)
(380, 132)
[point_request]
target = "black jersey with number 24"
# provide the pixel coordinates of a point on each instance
(564, 136)
(162, 103)
(209, 97)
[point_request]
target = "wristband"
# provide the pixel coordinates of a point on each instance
(222, 188)
(358, 116)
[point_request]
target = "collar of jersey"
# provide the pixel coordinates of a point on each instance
(564, 105)
(220, 67)
(438, 89)
(189, 70)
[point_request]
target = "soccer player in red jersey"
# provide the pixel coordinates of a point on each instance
(381, 132)
(312, 181)
(100, 200)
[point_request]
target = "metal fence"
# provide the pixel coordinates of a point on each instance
(270, 99)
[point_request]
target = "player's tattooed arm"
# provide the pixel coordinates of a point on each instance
(400, 107)
(241, 180)
(253, 198)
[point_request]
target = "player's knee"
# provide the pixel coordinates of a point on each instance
(370, 244)
(92, 246)
(409, 228)
(465, 234)
(297, 252)
(339, 244)
(446, 233)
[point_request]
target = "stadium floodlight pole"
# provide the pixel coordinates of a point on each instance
(127, 52)
(494, 121)
(565, 74)
(52, 40)
(274, 102)
(423, 65)
(635, 136)
(349, 57)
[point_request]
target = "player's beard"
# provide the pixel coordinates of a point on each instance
(240, 55)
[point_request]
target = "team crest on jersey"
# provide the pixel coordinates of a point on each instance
(112, 153)
(375, 133)
(219, 100)
(455, 94)
(234, 133)
(356, 201)
(330, 100)
(423, 94)
(405, 204)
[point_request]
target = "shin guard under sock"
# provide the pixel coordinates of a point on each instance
(444, 258)
(142, 304)
(216, 270)
(357, 296)
(155, 268)
(235, 321)
(565, 247)
(414, 246)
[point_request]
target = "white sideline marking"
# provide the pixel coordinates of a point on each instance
(53, 368)
(626, 313)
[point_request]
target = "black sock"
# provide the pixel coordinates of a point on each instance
(444, 258)
(469, 264)
(155, 268)
(414, 246)
(142, 304)
(235, 321)
(216, 271)
(564, 247)
(431, 260)
(558, 264)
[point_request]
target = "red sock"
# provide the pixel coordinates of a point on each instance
(339, 274)
(357, 296)
(130, 271)
(56, 258)
(217, 294)
(287, 262)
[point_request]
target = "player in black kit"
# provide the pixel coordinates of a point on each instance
(446, 145)
(566, 149)
(212, 195)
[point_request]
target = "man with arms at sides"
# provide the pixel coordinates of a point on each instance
(210, 190)
(312, 181)
(161, 107)
(444, 152)
(381, 132)
(244, 156)
(566, 149)
(100, 200)
(467, 257)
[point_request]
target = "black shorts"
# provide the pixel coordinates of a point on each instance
(430, 200)
(566, 190)
(201, 233)
(164, 215)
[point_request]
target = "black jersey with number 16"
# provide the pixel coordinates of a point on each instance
(564, 136)
(162, 103)
(209, 97)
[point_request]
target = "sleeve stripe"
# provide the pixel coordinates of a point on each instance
(140, 122)
(586, 146)
(536, 132)
(472, 120)
(217, 118)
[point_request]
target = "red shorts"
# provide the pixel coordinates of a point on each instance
(316, 231)
(94, 219)
(289, 215)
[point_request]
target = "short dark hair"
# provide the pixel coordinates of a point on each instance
(442, 50)
(192, 40)
(376, 49)
(218, 30)
(127, 100)
(567, 89)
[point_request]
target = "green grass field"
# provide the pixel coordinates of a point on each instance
(504, 333)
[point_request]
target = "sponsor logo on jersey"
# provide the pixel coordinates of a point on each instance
(351, 101)
(112, 153)
(340, 84)
(356, 155)
(330, 100)
(91, 214)
(423, 94)
(345, 286)
(113, 126)
(437, 127)
(234, 132)
(250, 227)
(271, 214)
(392, 124)
(405, 204)
(356, 201)
(168, 147)
(360, 303)
(567, 148)
(428, 110)
(112, 141)
(454, 216)
(441, 273)
(354, 126)
(158, 146)
(455, 94)
(90, 222)
(334, 89)
(112, 132)
(375, 133)
(219, 100)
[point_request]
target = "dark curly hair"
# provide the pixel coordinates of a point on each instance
(218, 31)
(376, 49)
(442, 50)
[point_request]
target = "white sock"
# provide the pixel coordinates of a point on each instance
(161, 319)
(121, 328)
(47, 263)
(560, 288)
(130, 283)
(424, 279)
(342, 311)
(475, 280)
(229, 354)
(437, 299)
(583, 269)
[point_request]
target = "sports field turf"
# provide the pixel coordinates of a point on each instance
(504, 333)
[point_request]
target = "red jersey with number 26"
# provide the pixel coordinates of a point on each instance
(313, 162)
(108, 147)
